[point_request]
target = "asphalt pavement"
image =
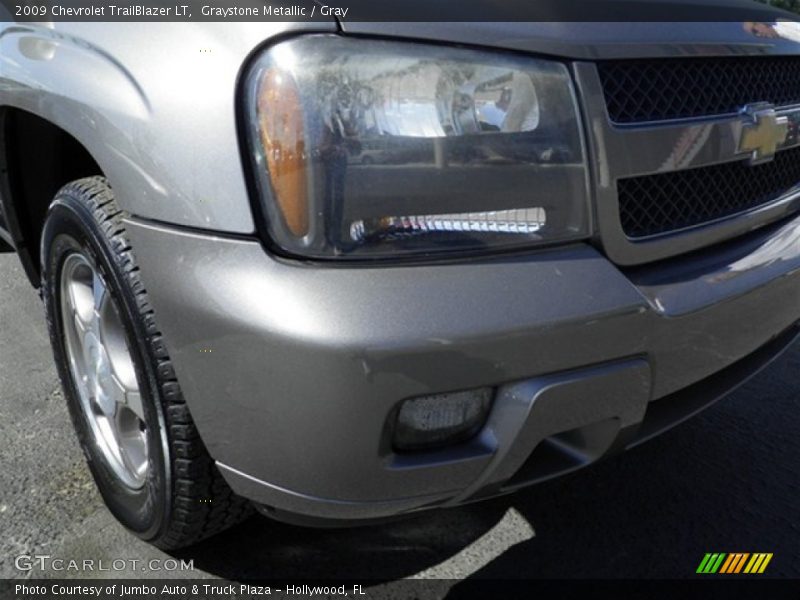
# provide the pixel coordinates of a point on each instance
(726, 481)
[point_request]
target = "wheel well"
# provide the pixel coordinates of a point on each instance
(37, 158)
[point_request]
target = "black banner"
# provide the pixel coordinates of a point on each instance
(209, 589)
(394, 10)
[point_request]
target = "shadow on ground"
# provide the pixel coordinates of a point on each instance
(262, 548)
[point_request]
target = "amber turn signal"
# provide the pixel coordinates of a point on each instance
(280, 120)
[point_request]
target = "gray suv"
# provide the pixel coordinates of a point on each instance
(342, 271)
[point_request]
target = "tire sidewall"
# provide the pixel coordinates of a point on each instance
(70, 227)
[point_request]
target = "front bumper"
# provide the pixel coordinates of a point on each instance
(292, 370)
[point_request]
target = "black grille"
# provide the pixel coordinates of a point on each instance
(654, 90)
(654, 204)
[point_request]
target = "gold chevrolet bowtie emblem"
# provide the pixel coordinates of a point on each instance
(763, 132)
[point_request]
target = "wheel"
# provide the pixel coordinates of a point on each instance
(140, 442)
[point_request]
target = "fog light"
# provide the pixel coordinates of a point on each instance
(441, 419)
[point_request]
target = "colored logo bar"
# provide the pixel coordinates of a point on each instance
(734, 562)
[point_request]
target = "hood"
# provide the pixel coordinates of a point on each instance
(756, 30)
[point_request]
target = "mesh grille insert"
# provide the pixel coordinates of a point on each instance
(654, 204)
(654, 90)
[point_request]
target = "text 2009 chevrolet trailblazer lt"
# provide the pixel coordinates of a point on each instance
(344, 270)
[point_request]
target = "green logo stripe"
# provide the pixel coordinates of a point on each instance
(703, 563)
(711, 562)
(718, 564)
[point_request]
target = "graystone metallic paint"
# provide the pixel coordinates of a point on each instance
(308, 362)
(592, 41)
(614, 394)
(157, 114)
(353, 342)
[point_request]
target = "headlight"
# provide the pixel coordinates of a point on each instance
(367, 148)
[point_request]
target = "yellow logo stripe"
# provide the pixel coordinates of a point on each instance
(751, 564)
(765, 563)
(756, 562)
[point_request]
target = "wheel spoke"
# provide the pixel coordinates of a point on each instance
(110, 432)
(132, 445)
(112, 335)
(134, 399)
(80, 326)
(126, 397)
(98, 291)
(79, 352)
(80, 300)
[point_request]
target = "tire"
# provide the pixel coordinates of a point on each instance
(160, 482)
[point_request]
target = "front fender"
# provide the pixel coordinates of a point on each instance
(154, 104)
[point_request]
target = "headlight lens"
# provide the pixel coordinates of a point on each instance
(367, 148)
